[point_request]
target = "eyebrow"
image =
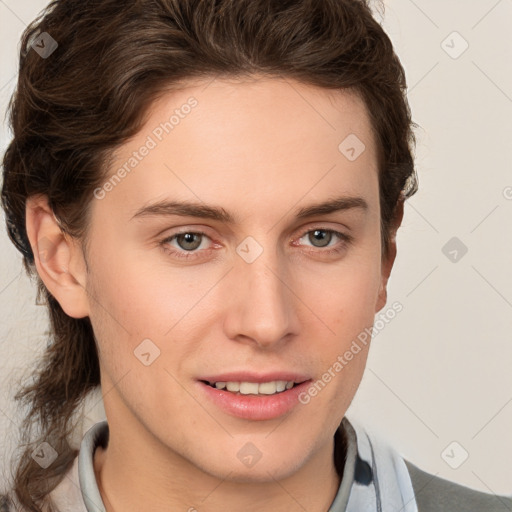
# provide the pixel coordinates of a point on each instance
(201, 210)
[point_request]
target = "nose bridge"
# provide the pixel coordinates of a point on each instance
(263, 305)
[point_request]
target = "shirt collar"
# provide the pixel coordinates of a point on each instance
(351, 468)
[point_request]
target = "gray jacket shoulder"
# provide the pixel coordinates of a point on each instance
(434, 494)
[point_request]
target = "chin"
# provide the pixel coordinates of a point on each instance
(261, 473)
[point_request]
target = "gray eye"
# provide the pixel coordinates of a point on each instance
(322, 236)
(189, 241)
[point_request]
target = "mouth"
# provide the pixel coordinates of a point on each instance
(268, 388)
(254, 397)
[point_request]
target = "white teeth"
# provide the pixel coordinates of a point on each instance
(249, 388)
(280, 385)
(255, 388)
(267, 388)
(233, 386)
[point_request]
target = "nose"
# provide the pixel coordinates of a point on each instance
(261, 306)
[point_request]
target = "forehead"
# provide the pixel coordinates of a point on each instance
(256, 141)
(280, 108)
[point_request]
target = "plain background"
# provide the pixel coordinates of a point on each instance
(438, 384)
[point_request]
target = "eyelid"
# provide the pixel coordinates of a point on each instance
(187, 256)
(304, 231)
(345, 239)
(173, 236)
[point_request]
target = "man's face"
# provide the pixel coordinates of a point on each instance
(265, 296)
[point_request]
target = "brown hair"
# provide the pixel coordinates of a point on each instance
(73, 108)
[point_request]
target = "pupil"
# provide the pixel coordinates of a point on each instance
(188, 238)
(322, 236)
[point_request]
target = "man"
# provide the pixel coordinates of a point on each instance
(236, 239)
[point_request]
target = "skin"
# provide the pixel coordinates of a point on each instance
(261, 149)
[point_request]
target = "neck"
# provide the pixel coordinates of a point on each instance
(161, 480)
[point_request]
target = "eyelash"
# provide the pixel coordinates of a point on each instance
(186, 255)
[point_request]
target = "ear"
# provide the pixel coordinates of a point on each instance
(388, 259)
(58, 257)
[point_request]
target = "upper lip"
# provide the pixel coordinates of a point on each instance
(242, 376)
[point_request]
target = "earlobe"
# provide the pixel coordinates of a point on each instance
(57, 257)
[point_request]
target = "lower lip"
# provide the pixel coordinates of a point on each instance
(252, 407)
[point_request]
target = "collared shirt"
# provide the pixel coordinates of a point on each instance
(79, 492)
(374, 478)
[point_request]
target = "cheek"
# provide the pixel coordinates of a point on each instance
(135, 302)
(346, 296)
(141, 299)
